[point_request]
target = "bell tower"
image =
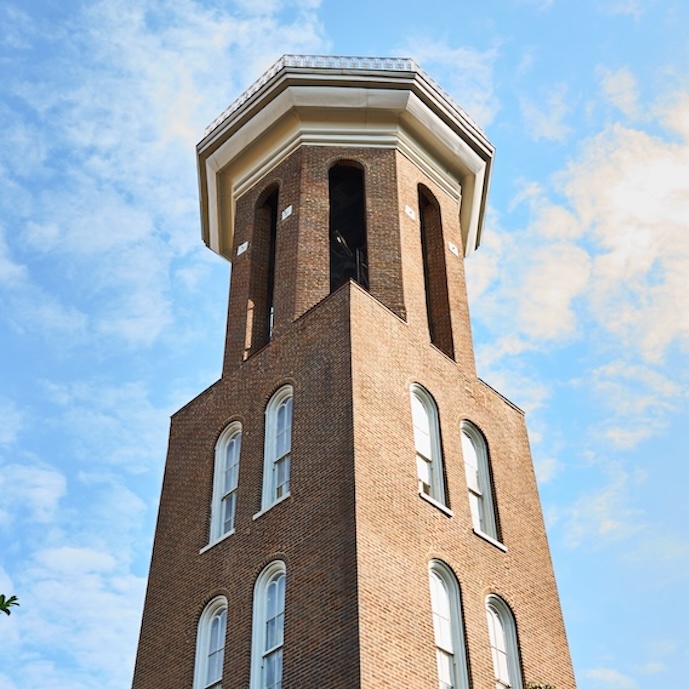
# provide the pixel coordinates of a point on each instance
(349, 506)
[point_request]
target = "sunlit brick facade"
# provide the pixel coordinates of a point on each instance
(347, 193)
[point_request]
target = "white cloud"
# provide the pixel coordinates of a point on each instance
(632, 8)
(601, 515)
(611, 259)
(114, 425)
(82, 605)
(546, 468)
(12, 274)
(629, 189)
(557, 273)
(12, 421)
(70, 560)
(654, 668)
(465, 73)
(100, 159)
(620, 89)
(609, 678)
(639, 400)
(545, 120)
(34, 492)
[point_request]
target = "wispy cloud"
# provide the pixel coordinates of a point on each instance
(545, 119)
(467, 74)
(12, 421)
(620, 88)
(32, 492)
(612, 256)
(602, 515)
(107, 125)
(632, 8)
(609, 678)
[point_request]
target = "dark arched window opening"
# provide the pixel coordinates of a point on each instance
(435, 273)
(263, 269)
(348, 252)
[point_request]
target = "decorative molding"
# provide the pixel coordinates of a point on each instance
(334, 62)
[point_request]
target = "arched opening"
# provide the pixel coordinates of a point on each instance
(263, 267)
(435, 273)
(348, 250)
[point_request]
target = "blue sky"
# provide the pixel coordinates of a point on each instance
(112, 311)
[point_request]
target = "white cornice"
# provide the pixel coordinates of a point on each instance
(352, 107)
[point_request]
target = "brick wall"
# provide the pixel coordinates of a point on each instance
(355, 535)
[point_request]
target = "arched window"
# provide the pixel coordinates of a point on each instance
(447, 625)
(262, 282)
(278, 447)
(429, 463)
(210, 645)
(348, 250)
(477, 470)
(435, 273)
(502, 630)
(268, 627)
(225, 480)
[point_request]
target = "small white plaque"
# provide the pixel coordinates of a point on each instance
(287, 212)
(242, 248)
(410, 212)
(453, 248)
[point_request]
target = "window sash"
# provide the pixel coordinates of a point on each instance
(216, 650)
(477, 473)
(499, 649)
(282, 450)
(445, 662)
(424, 471)
(444, 629)
(274, 628)
(281, 468)
(229, 507)
(226, 482)
(272, 670)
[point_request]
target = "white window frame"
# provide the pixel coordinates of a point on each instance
(230, 438)
(271, 459)
(434, 488)
(214, 608)
(502, 632)
(457, 651)
(481, 503)
(269, 574)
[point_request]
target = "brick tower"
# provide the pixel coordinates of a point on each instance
(349, 506)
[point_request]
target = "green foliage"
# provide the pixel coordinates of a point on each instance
(539, 685)
(7, 603)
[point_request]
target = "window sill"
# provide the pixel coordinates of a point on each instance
(439, 505)
(491, 540)
(270, 507)
(216, 541)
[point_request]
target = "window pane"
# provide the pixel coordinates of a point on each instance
(471, 464)
(214, 667)
(232, 465)
(272, 670)
(275, 605)
(216, 644)
(445, 673)
(229, 503)
(282, 477)
(423, 469)
(442, 620)
(498, 641)
(476, 506)
(422, 427)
